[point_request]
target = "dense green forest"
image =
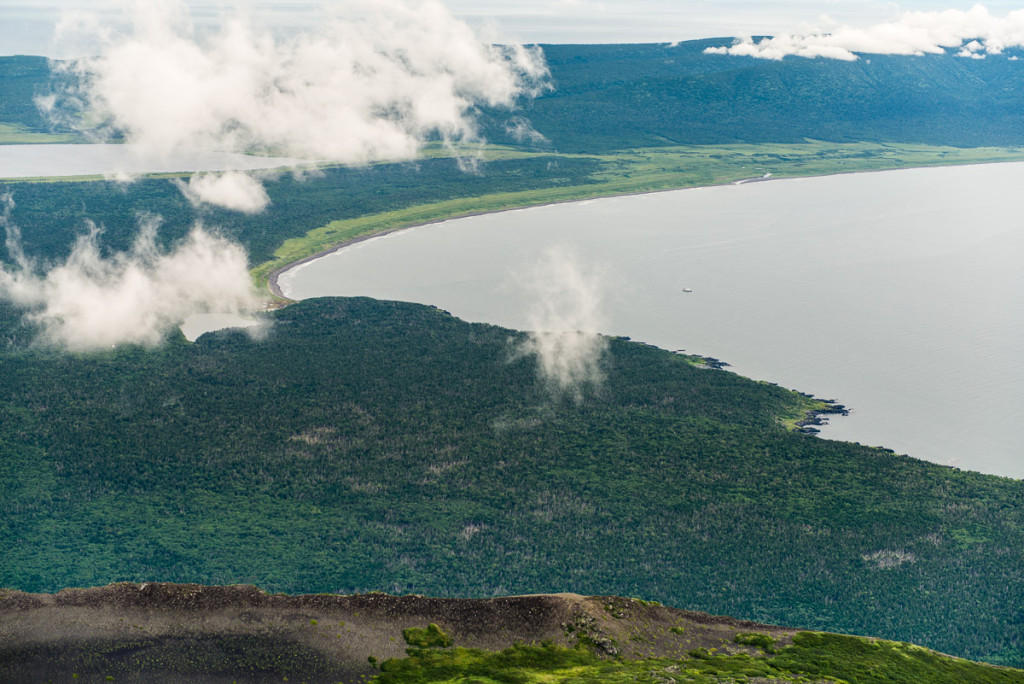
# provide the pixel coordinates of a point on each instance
(21, 80)
(367, 445)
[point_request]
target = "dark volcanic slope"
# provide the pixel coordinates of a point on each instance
(185, 632)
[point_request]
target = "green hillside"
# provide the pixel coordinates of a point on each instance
(380, 446)
(609, 97)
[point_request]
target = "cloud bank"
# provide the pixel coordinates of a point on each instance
(974, 34)
(564, 321)
(370, 83)
(373, 81)
(93, 302)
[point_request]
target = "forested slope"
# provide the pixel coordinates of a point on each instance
(368, 445)
(608, 97)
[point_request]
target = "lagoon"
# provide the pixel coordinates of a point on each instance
(38, 161)
(899, 294)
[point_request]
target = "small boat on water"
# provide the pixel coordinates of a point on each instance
(686, 289)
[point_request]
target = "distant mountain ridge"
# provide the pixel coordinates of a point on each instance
(609, 97)
(618, 96)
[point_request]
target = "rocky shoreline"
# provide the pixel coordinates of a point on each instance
(817, 417)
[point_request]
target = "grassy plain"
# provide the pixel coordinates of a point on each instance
(638, 171)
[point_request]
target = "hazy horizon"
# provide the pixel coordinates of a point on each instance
(29, 27)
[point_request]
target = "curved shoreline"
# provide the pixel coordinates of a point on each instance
(812, 417)
(275, 288)
(861, 425)
(272, 277)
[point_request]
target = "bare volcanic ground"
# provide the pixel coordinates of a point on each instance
(186, 632)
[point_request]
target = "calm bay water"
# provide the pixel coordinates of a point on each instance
(900, 294)
(36, 161)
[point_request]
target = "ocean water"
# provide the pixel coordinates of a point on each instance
(899, 294)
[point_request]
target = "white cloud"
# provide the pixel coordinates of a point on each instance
(232, 190)
(564, 322)
(369, 83)
(972, 33)
(94, 302)
(372, 81)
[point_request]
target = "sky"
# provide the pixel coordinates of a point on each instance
(27, 27)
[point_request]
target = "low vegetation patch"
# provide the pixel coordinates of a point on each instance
(430, 636)
(762, 641)
(813, 657)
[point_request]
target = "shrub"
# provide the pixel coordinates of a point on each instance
(430, 637)
(761, 641)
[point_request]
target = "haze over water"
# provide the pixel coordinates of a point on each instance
(899, 294)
